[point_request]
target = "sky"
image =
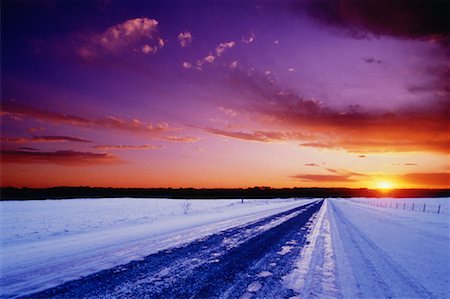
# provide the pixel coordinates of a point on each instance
(225, 94)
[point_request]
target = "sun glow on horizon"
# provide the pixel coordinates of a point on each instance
(384, 185)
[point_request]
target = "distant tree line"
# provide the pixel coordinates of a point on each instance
(12, 193)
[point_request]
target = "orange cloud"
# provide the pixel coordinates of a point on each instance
(67, 158)
(438, 180)
(426, 179)
(110, 122)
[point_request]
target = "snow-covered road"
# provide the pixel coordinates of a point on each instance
(245, 261)
(47, 243)
(337, 248)
(388, 253)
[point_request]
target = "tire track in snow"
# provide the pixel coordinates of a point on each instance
(315, 272)
(375, 265)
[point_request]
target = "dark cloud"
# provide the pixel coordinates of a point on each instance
(59, 139)
(44, 139)
(67, 158)
(346, 172)
(372, 60)
(128, 147)
(25, 148)
(408, 19)
(312, 164)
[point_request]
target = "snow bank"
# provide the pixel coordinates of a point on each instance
(46, 243)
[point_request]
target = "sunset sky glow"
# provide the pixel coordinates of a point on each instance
(225, 94)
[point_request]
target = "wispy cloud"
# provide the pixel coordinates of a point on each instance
(140, 34)
(43, 139)
(185, 38)
(127, 147)
(372, 60)
(248, 38)
(186, 65)
(322, 178)
(338, 175)
(110, 122)
(224, 46)
(260, 136)
(312, 164)
(214, 55)
(67, 158)
(182, 139)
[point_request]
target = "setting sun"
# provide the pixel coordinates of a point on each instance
(384, 185)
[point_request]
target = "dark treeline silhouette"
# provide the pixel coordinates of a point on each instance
(12, 193)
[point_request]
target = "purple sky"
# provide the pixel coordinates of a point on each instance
(234, 94)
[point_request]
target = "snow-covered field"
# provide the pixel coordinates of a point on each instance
(44, 243)
(427, 205)
(358, 250)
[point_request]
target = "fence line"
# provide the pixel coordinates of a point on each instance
(414, 207)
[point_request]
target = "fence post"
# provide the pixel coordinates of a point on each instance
(412, 207)
(404, 205)
(424, 205)
(439, 209)
(396, 205)
(390, 205)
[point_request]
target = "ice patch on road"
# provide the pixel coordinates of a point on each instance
(254, 287)
(264, 274)
(285, 250)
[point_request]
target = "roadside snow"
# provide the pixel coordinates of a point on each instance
(428, 205)
(46, 243)
(360, 250)
(388, 252)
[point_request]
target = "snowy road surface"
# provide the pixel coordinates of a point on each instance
(389, 253)
(336, 248)
(248, 260)
(46, 243)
